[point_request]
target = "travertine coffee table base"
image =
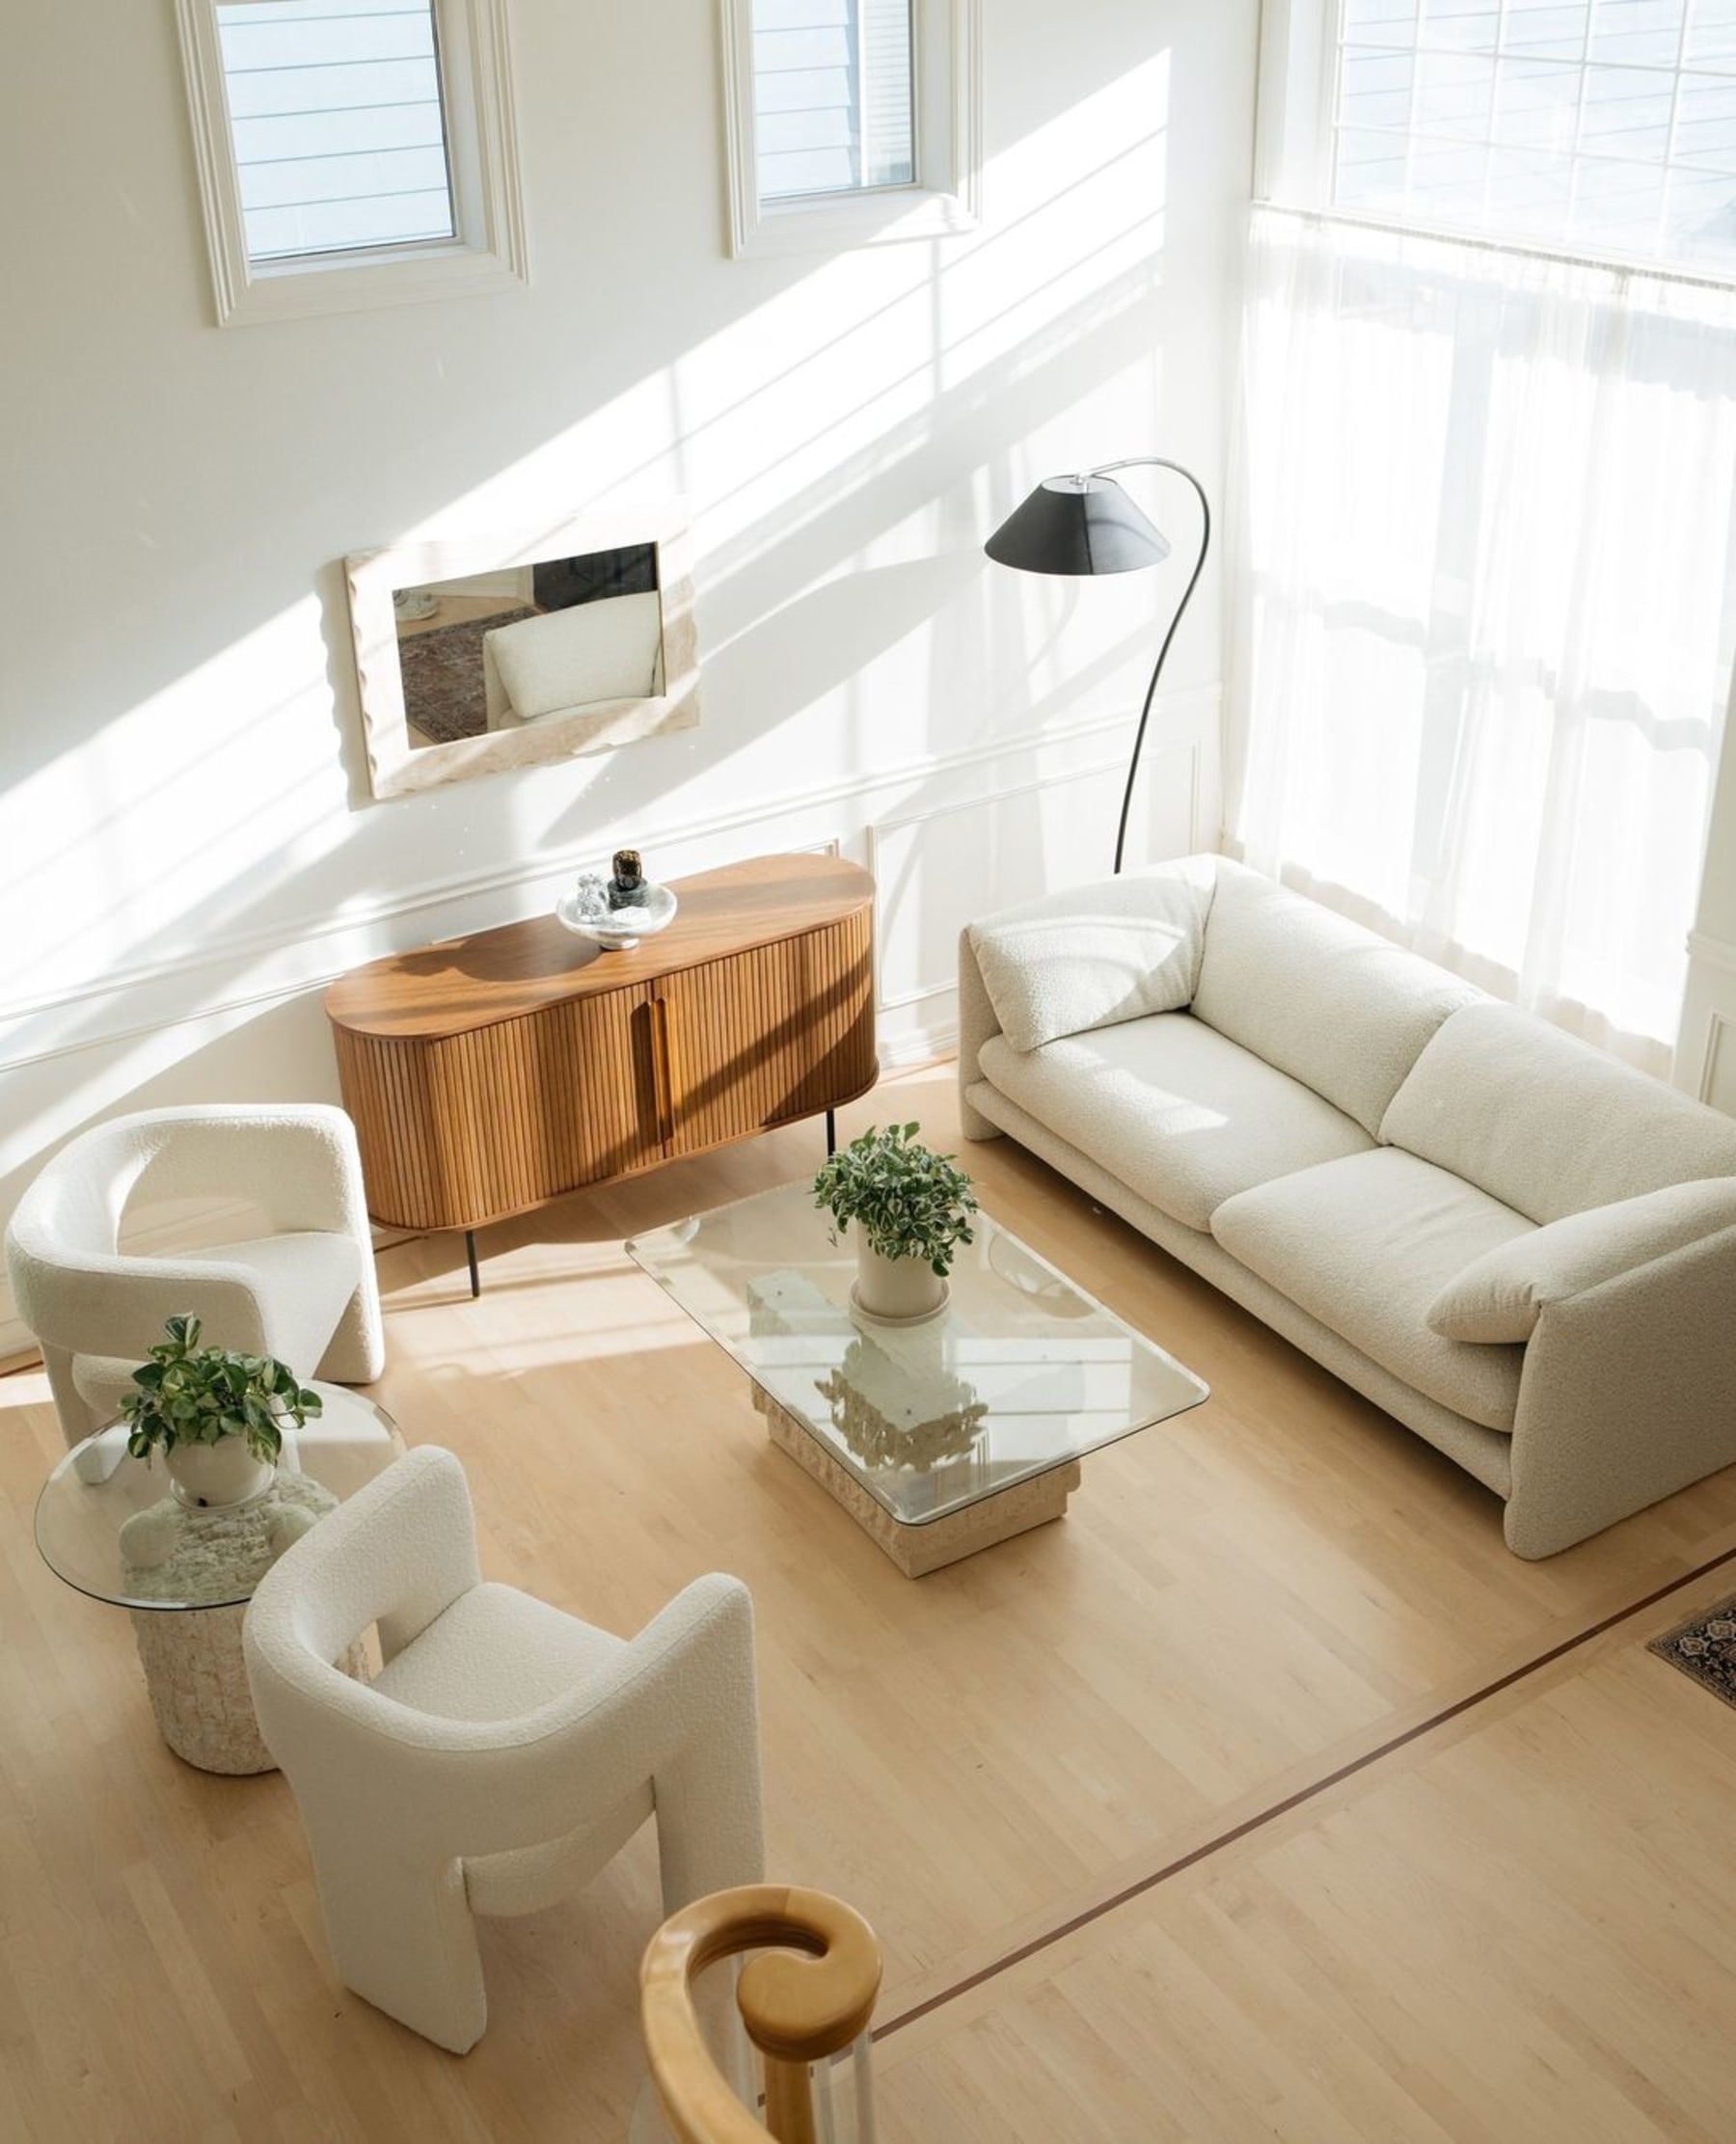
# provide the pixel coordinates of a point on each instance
(197, 1682)
(917, 1550)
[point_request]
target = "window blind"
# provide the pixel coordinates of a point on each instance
(834, 103)
(335, 115)
(1608, 122)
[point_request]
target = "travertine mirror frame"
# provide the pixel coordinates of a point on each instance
(395, 770)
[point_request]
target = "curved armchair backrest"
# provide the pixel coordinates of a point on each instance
(400, 1554)
(79, 1293)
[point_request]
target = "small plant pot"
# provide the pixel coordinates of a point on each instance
(896, 1291)
(210, 1475)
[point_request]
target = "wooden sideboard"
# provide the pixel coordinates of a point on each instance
(491, 1073)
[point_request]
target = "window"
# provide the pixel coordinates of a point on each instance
(352, 152)
(1603, 127)
(850, 120)
(833, 94)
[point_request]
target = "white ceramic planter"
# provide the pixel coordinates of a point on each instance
(897, 1290)
(211, 1475)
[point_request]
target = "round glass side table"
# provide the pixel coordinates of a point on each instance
(107, 1523)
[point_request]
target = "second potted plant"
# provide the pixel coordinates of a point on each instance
(214, 1415)
(912, 1210)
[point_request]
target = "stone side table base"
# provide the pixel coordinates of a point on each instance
(917, 1550)
(197, 1682)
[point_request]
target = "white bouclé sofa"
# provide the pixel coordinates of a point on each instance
(1519, 1247)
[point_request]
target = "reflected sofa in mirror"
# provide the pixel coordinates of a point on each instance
(479, 653)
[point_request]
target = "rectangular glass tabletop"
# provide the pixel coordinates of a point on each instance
(1020, 1373)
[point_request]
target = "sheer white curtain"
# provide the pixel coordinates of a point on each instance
(1489, 599)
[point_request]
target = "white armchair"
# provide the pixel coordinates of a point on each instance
(304, 1293)
(505, 1752)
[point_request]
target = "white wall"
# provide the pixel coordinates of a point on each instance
(187, 844)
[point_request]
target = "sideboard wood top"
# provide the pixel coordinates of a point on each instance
(466, 983)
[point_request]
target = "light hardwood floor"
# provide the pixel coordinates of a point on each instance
(1513, 1924)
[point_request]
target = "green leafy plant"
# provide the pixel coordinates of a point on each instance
(186, 1393)
(909, 1200)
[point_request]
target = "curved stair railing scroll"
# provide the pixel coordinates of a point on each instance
(797, 2009)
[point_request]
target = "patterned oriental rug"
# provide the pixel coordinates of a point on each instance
(443, 677)
(1705, 1650)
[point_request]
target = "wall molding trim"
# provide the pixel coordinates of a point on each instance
(1715, 952)
(373, 920)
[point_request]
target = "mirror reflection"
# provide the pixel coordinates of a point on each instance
(506, 650)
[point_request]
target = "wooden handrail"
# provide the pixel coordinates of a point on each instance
(797, 2009)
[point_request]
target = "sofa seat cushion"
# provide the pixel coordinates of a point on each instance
(1365, 1244)
(1546, 1123)
(1182, 1116)
(1334, 1005)
(1095, 955)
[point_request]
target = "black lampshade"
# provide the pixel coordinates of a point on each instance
(1077, 524)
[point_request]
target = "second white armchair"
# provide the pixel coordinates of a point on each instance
(305, 1293)
(505, 1751)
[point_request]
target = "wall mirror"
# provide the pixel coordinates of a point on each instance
(474, 654)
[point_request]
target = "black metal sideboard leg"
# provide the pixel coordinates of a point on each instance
(470, 1252)
(832, 1131)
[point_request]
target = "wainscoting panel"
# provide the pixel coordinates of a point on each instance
(1705, 1059)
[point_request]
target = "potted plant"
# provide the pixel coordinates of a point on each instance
(214, 1415)
(912, 1210)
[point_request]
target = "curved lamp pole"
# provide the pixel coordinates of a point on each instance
(1088, 524)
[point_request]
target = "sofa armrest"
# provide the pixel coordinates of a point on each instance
(977, 1025)
(1627, 1394)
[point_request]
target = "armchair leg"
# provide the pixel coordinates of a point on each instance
(403, 1939)
(470, 1252)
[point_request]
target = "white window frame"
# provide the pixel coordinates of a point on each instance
(488, 250)
(1292, 132)
(945, 195)
(1295, 113)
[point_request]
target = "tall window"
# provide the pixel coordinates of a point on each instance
(336, 115)
(1484, 650)
(1609, 125)
(352, 151)
(849, 121)
(833, 94)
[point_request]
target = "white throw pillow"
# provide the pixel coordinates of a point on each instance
(605, 650)
(1499, 1295)
(1095, 955)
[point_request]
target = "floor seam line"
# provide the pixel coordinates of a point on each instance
(1287, 1802)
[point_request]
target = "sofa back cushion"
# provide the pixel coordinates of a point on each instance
(1095, 955)
(1334, 1005)
(1546, 1123)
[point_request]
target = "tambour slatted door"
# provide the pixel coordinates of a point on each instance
(770, 1034)
(491, 1073)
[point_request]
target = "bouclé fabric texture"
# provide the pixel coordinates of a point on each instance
(1364, 1244)
(1501, 1294)
(1334, 1005)
(1544, 1122)
(1095, 955)
(1186, 1116)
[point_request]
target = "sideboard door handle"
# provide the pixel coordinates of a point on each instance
(663, 1069)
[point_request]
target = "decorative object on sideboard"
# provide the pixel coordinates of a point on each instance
(912, 1210)
(617, 912)
(627, 889)
(214, 1415)
(1088, 524)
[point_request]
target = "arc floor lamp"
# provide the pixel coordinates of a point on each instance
(1087, 524)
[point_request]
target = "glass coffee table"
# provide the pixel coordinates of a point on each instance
(938, 1439)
